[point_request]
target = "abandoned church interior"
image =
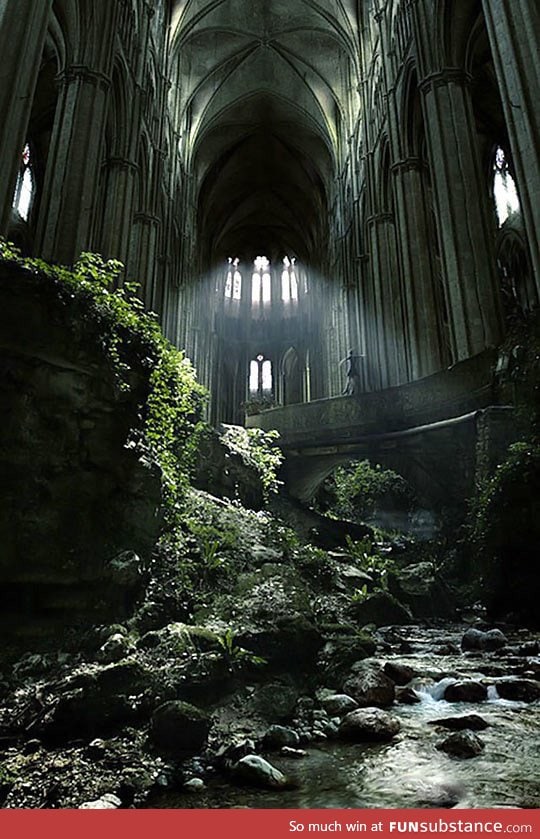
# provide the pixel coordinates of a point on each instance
(332, 209)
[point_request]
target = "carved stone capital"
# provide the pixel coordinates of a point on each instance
(444, 77)
(147, 219)
(380, 218)
(82, 73)
(122, 163)
(408, 164)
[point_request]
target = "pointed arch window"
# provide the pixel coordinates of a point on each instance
(289, 281)
(504, 187)
(233, 281)
(261, 380)
(261, 282)
(25, 189)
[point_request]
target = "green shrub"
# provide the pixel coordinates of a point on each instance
(359, 490)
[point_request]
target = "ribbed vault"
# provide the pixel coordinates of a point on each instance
(265, 89)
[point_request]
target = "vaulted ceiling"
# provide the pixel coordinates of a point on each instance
(263, 88)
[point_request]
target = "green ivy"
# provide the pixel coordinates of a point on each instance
(258, 449)
(134, 344)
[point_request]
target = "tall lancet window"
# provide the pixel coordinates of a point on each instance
(504, 188)
(261, 282)
(25, 189)
(260, 377)
(289, 281)
(233, 281)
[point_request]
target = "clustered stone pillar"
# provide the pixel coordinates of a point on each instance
(23, 28)
(118, 208)
(423, 338)
(464, 228)
(69, 198)
(513, 27)
(386, 323)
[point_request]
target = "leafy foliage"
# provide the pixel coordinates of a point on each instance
(135, 346)
(357, 491)
(258, 449)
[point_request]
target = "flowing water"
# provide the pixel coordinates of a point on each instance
(410, 771)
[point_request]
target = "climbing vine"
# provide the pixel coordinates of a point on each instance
(134, 344)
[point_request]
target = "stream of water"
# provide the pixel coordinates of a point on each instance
(410, 771)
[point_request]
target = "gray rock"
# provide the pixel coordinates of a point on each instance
(421, 589)
(297, 754)
(407, 696)
(195, 785)
(472, 722)
(401, 674)
(466, 691)
(97, 748)
(531, 648)
(462, 744)
(126, 570)
(179, 726)
(106, 802)
(380, 609)
(368, 725)
(518, 690)
(278, 736)
(115, 649)
(231, 753)
(476, 639)
(257, 771)
(369, 686)
(339, 704)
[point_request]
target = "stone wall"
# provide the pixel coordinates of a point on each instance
(74, 497)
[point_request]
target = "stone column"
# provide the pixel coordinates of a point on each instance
(384, 322)
(67, 209)
(422, 327)
(465, 230)
(118, 208)
(513, 27)
(142, 261)
(23, 28)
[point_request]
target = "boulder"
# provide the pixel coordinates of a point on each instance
(476, 639)
(471, 722)
(179, 726)
(289, 640)
(400, 674)
(106, 802)
(369, 686)
(256, 771)
(407, 696)
(115, 649)
(382, 609)
(275, 702)
(518, 690)
(339, 704)
(278, 736)
(340, 653)
(466, 691)
(368, 725)
(420, 588)
(462, 744)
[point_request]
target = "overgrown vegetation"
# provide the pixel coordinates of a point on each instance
(358, 491)
(258, 449)
(504, 530)
(133, 342)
